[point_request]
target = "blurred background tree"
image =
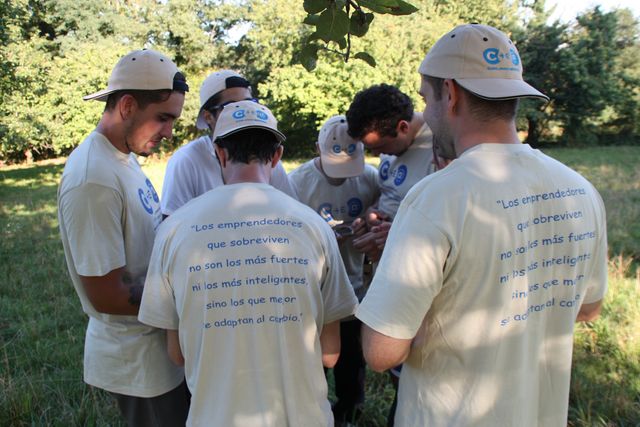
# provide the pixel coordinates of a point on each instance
(55, 51)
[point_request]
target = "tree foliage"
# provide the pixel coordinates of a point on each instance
(590, 70)
(55, 51)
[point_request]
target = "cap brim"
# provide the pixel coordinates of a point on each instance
(342, 166)
(497, 89)
(99, 96)
(279, 135)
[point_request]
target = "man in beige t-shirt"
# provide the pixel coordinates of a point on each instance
(340, 187)
(108, 212)
(382, 117)
(250, 286)
(490, 261)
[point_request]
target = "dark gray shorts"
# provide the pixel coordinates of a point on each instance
(167, 410)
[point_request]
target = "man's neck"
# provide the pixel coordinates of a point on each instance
(496, 132)
(255, 172)
(113, 133)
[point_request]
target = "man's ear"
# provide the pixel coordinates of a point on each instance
(127, 106)
(277, 156)
(453, 93)
(222, 155)
(403, 127)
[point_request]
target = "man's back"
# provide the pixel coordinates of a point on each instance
(255, 276)
(523, 243)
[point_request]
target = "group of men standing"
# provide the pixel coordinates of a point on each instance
(486, 252)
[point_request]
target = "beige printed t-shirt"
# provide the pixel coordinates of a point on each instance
(249, 277)
(486, 266)
(345, 202)
(108, 212)
(397, 174)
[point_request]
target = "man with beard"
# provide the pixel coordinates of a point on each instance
(482, 277)
(108, 212)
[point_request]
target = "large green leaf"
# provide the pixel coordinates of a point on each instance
(359, 23)
(309, 56)
(333, 24)
(312, 20)
(315, 6)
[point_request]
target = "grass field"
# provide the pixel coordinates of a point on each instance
(42, 325)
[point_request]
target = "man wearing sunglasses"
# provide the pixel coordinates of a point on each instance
(194, 168)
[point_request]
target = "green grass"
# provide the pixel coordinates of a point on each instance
(42, 325)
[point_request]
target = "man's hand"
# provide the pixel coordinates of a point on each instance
(375, 217)
(372, 243)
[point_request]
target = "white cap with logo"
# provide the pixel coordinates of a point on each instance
(242, 115)
(341, 155)
(215, 83)
(141, 70)
(481, 59)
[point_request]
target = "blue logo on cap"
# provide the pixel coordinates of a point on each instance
(384, 170)
(351, 148)
(493, 56)
(401, 175)
(355, 207)
(336, 149)
(261, 115)
(514, 56)
(239, 114)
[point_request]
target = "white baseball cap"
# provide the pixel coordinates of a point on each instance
(141, 70)
(341, 155)
(214, 83)
(481, 59)
(242, 115)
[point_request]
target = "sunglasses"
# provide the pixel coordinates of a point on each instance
(217, 109)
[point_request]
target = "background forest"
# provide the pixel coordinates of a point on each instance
(55, 51)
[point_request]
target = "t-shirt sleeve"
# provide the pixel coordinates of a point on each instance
(408, 278)
(280, 181)
(92, 216)
(597, 283)
(158, 306)
(178, 186)
(337, 293)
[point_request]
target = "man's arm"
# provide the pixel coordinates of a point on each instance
(330, 344)
(114, 293)
(173, 347)
(381, 351)
(589, 312)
